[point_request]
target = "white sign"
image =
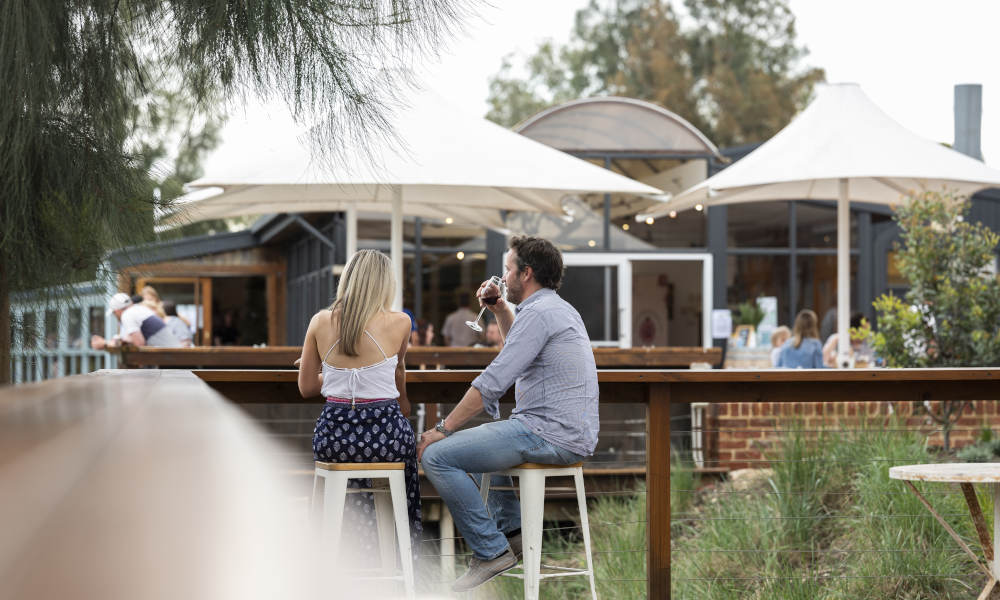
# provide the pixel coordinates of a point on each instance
(768, 304)
(722, 323)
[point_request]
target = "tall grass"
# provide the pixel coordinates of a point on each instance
(828, 524)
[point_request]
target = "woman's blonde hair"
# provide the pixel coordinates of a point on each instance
(366, 287)
(156, 304)
(806, 326)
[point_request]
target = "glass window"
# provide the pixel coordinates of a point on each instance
(29, 333)
(445, 278)
(588, 289)
(816, 277)
(96, 321)
(894, 277)
(816, 226)
(74, 328)
(753, 276)
(686, 229)
(758, 225)
(51, 329)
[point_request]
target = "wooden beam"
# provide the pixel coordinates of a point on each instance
(658, 491)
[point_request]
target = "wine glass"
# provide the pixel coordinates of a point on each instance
(488, 298)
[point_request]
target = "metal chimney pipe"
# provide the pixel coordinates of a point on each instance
(969, 119)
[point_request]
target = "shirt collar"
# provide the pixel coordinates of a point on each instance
(534, 298)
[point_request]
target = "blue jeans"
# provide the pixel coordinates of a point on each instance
(490, 447)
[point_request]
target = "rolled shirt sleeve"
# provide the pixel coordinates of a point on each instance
(525, 340)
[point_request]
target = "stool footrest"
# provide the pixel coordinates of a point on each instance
(512, 488)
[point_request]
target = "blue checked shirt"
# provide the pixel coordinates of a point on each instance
(549, 360)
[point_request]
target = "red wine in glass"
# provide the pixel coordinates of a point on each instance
(495, 284)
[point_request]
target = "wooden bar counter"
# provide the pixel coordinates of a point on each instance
(282, 357)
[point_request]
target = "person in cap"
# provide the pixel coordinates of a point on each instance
(140, 326)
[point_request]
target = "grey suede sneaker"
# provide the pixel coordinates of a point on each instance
(515, 545)
(481, 571)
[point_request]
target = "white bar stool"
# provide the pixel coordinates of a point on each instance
(387, 510)
(531, 479)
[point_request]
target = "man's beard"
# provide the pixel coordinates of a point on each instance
(514, 294)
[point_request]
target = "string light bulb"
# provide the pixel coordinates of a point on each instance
(449, 220)
(460, 255)
(673, 214)
(591, 243)
(699, 207)
(625, 226)
(649, 220)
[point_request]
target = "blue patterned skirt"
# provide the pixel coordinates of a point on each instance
(369, 432)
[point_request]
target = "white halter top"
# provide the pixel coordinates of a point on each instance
(372, 382)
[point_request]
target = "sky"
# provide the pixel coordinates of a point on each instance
(907, 55)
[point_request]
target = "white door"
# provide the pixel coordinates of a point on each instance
(600, 287)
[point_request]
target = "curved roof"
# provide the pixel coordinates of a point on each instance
(615, 125)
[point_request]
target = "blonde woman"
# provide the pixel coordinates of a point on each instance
(803, 350)
(151, 298)
(353, 355)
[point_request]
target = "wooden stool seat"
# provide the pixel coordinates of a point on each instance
(541, 466)
(382, 466)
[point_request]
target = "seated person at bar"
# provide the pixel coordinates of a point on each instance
(858, 346)
(803, 350)
(140, 326)
(353, 356)
(227, 333)
(177, 324)
(549, 360)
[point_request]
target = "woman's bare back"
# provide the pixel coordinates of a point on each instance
(386, 327)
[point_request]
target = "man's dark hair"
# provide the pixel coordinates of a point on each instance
(462, 300)
(170, 308)
(543, 258)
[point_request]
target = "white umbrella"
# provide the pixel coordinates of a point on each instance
(438, 160)
(841, 147)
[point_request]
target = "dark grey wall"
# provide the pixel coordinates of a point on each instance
(311, 283)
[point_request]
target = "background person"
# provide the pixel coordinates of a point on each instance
(803, 350)
(140, 326)
(178, 325)
(151, 298)
(778, 338)
(492, 337)
(346, 358)
(456, 333)
(858, 346)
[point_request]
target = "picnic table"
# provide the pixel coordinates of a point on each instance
(966, 475)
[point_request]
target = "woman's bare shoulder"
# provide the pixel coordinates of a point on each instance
(400, 319)
(323, 316)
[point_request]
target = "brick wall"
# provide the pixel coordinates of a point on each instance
(740, 435)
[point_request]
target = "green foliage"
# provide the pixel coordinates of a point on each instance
(950, 316)
(83, 80)
(775, 541)
(731, 70)
(748, 313)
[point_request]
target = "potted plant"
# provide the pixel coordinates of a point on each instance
(746, 318)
